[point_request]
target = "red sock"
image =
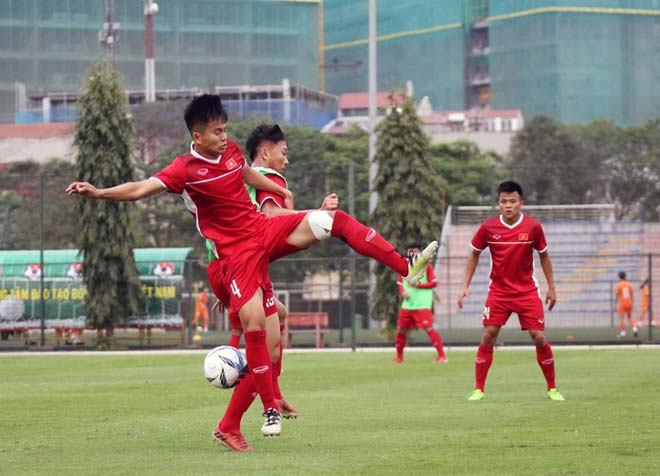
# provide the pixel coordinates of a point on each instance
(277, 370)
(400, 343)
(546, 361)
(367, 242)
(436, 340)
(482, 364)
(243, 396)
(235, 340)
(259, 362)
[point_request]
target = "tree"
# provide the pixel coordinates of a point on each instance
(467, 174)
(28, 180)
(635, 174)
(546, 160)
(103, 137)
(408, 200)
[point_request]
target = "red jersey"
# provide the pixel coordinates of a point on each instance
(263, 197)
(214, 192)
(511, 251)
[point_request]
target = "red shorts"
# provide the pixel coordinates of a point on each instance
(528, 307)
(244, 268)
(415, 319)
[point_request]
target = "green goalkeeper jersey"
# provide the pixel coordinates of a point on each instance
(419, 298)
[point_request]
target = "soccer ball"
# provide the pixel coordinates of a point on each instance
(222, 366)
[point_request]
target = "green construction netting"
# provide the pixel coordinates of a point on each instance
(417, 41)
(48, 45)
(576, 60)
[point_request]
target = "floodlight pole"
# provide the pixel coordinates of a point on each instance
(150, 9)
(373, 113)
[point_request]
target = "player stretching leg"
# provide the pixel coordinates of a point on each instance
(512, 237)
(268, 149)
(211, 179)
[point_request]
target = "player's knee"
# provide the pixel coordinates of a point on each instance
(320, 222)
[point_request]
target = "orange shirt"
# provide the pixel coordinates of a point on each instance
(645, 296)
(624, 293)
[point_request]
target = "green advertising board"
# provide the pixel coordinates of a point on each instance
(161, 274)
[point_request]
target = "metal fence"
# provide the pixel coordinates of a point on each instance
(586, 310)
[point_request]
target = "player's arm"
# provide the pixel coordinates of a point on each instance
(402, 289)
(473, 261)
(546, 264)
(431, 281)
(258, 181)
(126, 192)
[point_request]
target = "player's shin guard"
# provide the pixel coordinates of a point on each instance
(400, 343)
(482, 364)
(436, 340)
(367, 242)
(277, 370)
(258, 359)
(546, 361)
(244, 394)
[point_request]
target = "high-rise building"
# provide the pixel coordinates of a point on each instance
(47, 45)
(575, 60)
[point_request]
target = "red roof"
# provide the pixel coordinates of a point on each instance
(361, 100)
(53, 129)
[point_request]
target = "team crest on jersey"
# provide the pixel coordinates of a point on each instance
(33, 272)
(231, 163)
(164, 268)
(203, 172)
(497, 236)
(523, 236)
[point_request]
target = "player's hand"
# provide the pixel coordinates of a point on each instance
(219, 305)
(331, 202)
(405, 295)
(465, 294)
(551, 299)
(288, 200)
(83, 189)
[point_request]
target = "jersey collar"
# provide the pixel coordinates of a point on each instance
(511, 227)
(195, 154)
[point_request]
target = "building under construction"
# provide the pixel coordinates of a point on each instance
(575, 60)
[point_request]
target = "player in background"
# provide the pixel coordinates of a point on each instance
(644, 315)
(202, 310)
(624, 296)
(512, 238)
(416, 310)
(211, 179)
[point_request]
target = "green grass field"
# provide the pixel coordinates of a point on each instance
(152, 414)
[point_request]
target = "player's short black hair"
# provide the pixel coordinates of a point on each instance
(622, 274)
(202, 110)
(264, 132)
(509, 187)
(415, 244)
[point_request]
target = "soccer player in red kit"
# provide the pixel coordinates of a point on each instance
(211, 180)
(417, 310)
(512, 238)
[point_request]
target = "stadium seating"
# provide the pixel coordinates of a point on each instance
(586, 256)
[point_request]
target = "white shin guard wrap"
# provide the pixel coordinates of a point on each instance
(321, 223)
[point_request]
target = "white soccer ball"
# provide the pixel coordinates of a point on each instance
(223, 365)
